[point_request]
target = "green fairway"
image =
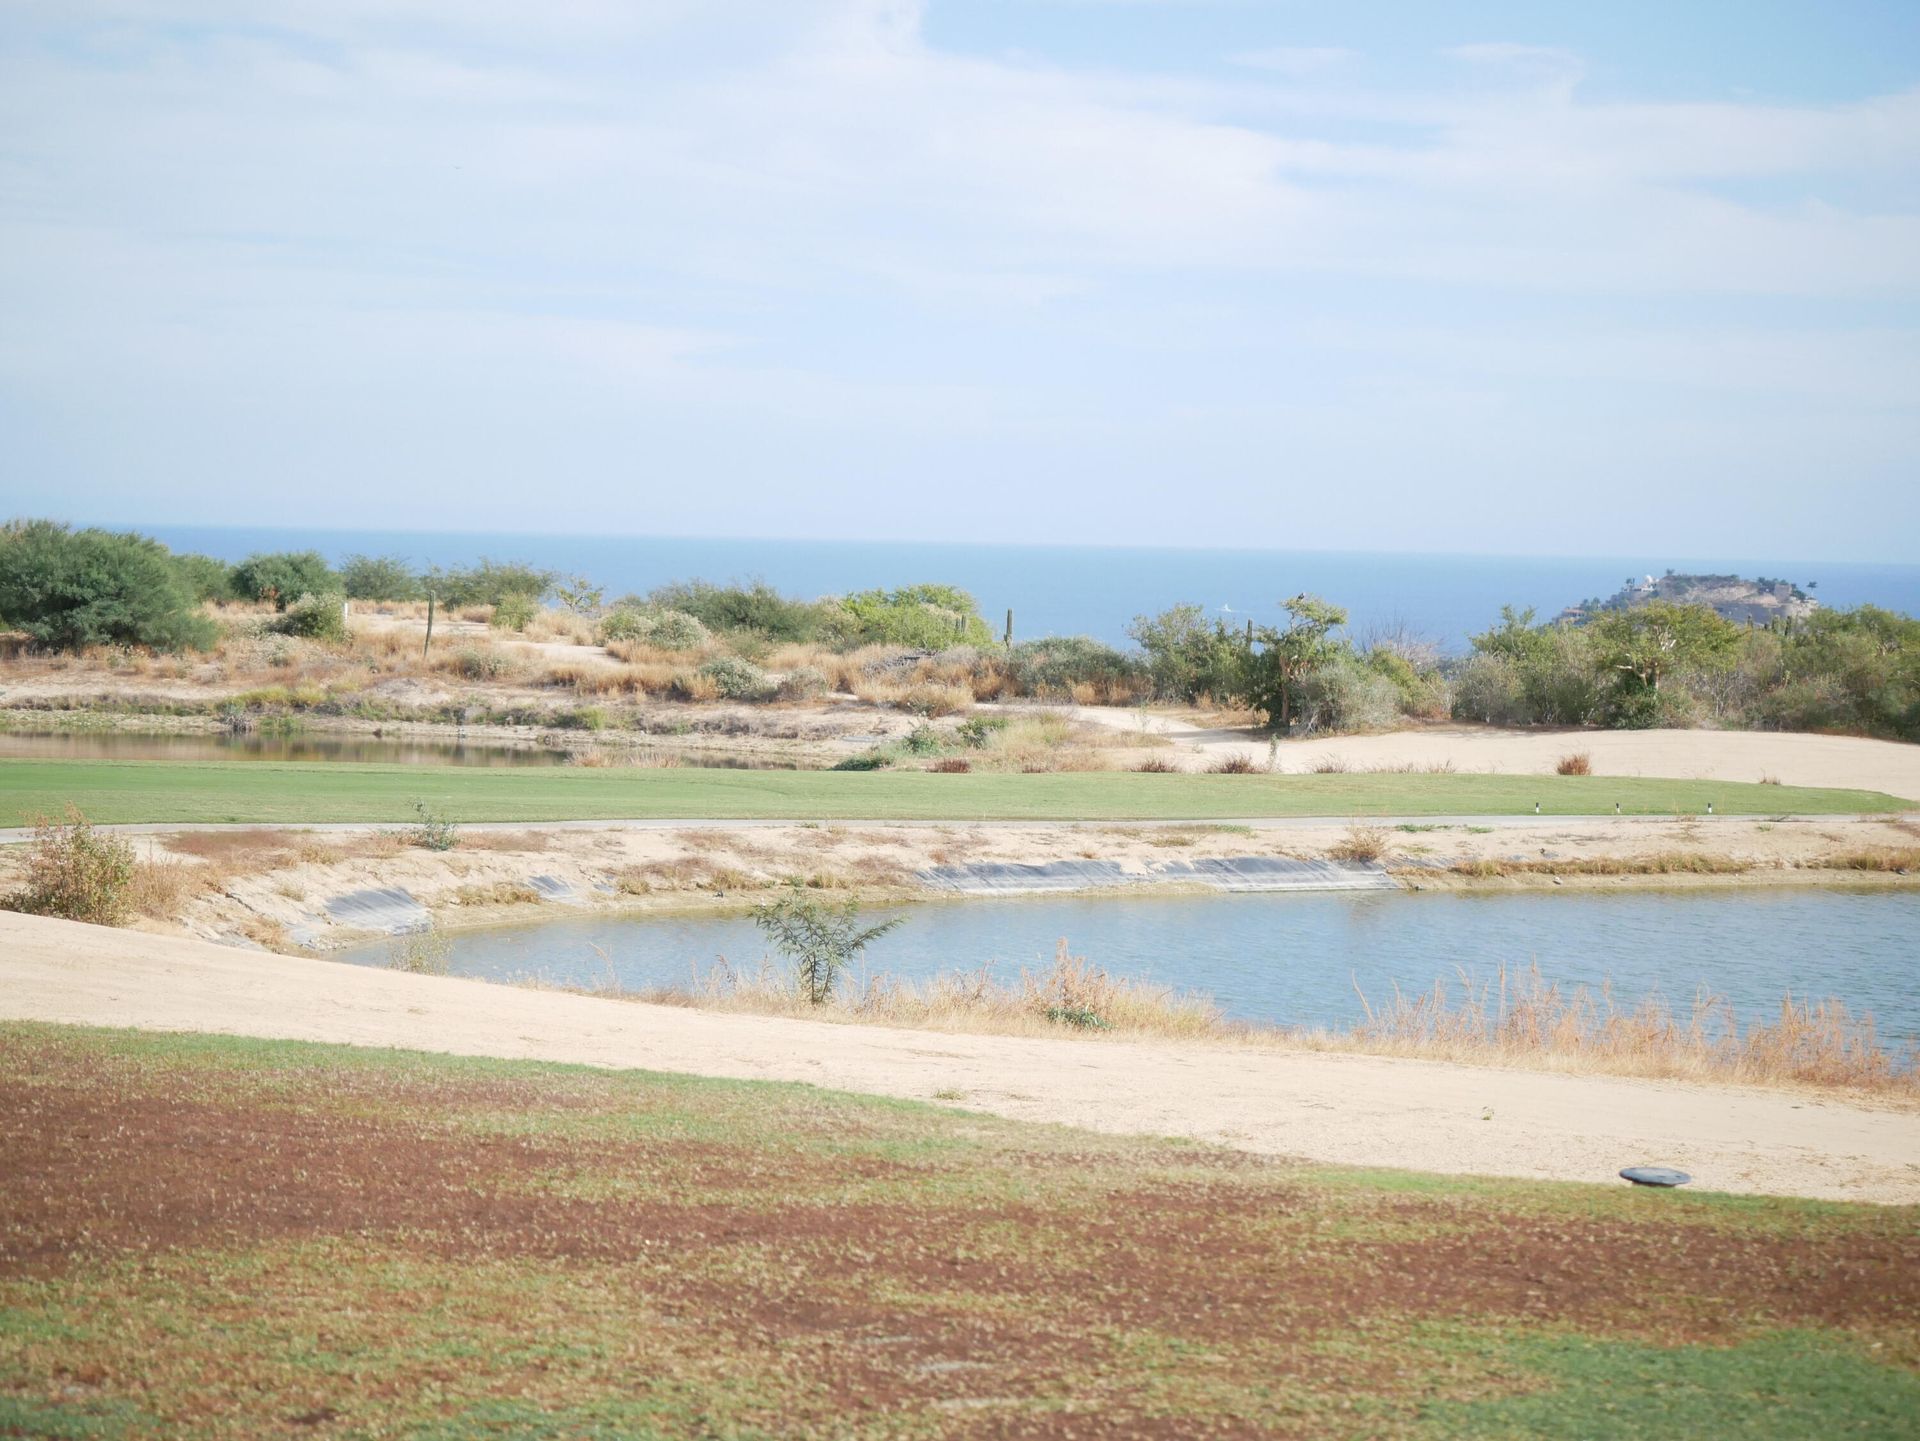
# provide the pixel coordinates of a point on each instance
(288, 793)
(210, 1237)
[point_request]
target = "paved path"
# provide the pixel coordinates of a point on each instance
(1349, 1110)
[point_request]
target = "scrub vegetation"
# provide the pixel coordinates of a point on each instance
(124, 605)
(324, 1241)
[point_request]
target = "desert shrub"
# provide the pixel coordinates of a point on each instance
(660, 629)
(76, 873)
(583, 718)
(203, 577)
(878, 758)
(513, 611)
(472, 662)
(736, 679)
(1487, 688)
(1155, 766)
(426, 952)
(1188, 657)
(378, 577)
(1361, 843)
(488, 583)
(1341, 694)
(803, 683)
(314, 617)
(1579, 763)
(1233, 765)
(923, 740)
(282, 576)
(927, 617)
(432, 831)
(1419, 690)
(69, 589)
(818, 939)
(1054, 667)
(951, 766)
(755, 607)
(976, 732)
(934, 701)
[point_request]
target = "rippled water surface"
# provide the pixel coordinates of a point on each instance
(1299, 958)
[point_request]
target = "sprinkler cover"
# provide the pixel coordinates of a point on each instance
(1655, 1176)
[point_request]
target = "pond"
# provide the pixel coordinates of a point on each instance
(1304, 958)
(322, 746)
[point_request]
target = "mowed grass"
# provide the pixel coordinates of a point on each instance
(253, 791)
(214, 1237)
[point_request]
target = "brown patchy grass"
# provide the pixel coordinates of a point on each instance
(1656, 863)
(222, 1238)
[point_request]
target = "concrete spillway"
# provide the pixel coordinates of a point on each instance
(1226, 873)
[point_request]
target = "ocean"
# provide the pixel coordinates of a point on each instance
(1089, 590)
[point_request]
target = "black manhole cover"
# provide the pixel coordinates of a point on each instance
(1655, 1176)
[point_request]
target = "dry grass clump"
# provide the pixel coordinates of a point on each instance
(1657, 863)
(1520, 1017)
(1237, 764)
(951, 766)
(1894, 860)
(522, 842)
(558, 625)
(1579, 763)
(1361, 843)
(1042, 741)
(1330, 765)
(922, 698)
(1072, 995)
(497, 893)
(1156, 766)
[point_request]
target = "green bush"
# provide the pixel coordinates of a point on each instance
(204, 578)
(664, 629)
(513, 612)
(378, 577)
(76, 873)
(283, 576)
(757, 608)
(488, 583)
(1187, 657)
(314, 617)
(737, 679)
(926, 617)
(69, 589)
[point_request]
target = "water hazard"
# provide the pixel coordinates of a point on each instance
(318, 746)
(1305, 958)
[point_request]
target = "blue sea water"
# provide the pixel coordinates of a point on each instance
(1089, 590)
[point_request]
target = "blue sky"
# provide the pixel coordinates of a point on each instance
(1500, 277)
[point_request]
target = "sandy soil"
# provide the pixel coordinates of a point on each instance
(1793, 759)
(1347, 1110)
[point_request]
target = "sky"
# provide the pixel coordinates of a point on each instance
(1486, 277)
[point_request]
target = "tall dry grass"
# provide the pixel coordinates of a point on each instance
(1519, 1017)
(1070, 995)
(1516, 1019)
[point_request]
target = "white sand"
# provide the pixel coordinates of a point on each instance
(1844, 762)
(1349, 1110)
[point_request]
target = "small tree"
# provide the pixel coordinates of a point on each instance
(1281, 658)
(1655, 639)
(282, 577)
(819, 939)
(578, 594)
